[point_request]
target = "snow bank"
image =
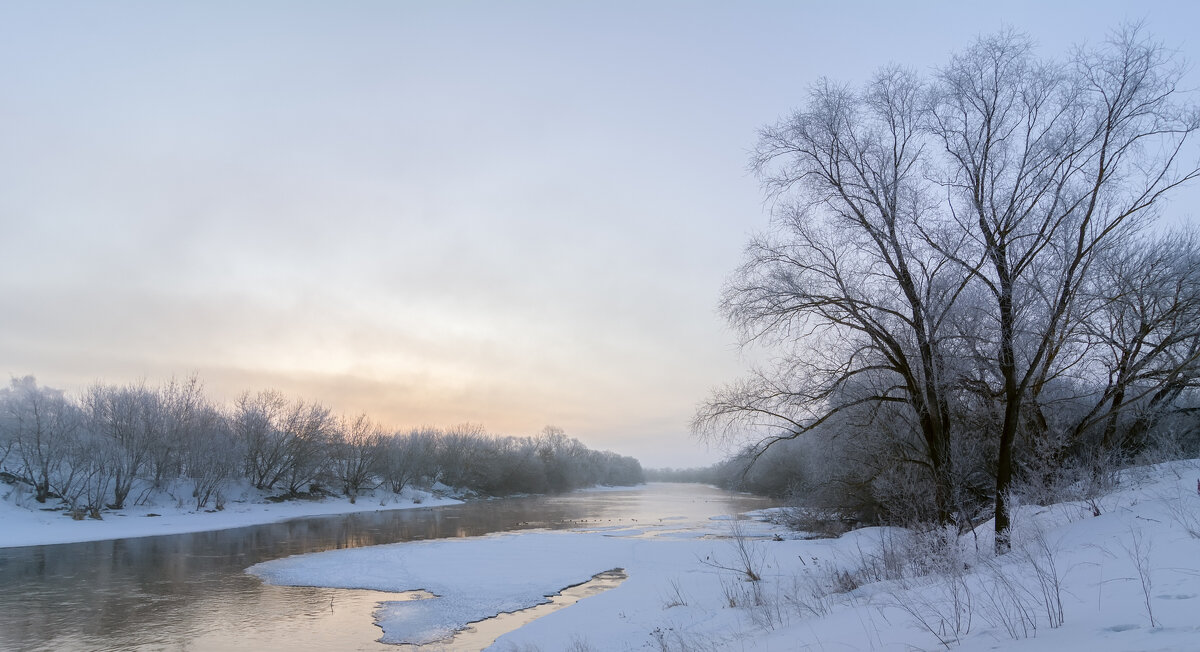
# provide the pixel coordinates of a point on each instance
(25, 523)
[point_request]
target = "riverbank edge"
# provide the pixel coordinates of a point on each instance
(24, 525)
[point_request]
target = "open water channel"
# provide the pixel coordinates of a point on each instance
(191, 592)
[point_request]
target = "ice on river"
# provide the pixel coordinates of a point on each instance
(473, 579)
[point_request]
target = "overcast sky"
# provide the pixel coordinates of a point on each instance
(509, 213)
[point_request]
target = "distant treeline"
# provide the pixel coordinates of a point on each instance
(115, 445)
(700, 474)
(736, 473)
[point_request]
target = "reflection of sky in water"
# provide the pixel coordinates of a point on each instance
(483, 633)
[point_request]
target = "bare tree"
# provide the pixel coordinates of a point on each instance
(525, 471)
(856, 281)
(563, 459)
(256, 424)
(461, 454)
(210, 453)
(307, 430)
(93, 460)
(42, 424)
(356, 449)
(1146, 326)
(132, 419)
(1047, 165)
(182, 403)
(8, 435)
(407, 457)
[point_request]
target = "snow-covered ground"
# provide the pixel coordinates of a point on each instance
(1128, 579)
(24, 522)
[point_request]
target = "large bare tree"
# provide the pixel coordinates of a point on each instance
(854, 280)
(1046, 165)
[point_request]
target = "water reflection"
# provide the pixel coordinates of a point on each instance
(189, 591)
(479, 635)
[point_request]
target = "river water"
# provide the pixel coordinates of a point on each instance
(190, 591)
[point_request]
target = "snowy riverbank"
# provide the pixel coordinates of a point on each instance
(1127, 579)
(26, 523)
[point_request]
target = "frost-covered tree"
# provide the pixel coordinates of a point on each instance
(405, 458)
(42, 425)
(210, 453)
(132, 420)
(356, 449)
(856, 280)
(1047, 164)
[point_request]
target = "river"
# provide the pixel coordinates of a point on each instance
(190, 591)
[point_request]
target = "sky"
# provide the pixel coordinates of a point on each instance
(507, 213)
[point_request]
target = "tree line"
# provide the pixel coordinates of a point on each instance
(116, 444)
(964, 289)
